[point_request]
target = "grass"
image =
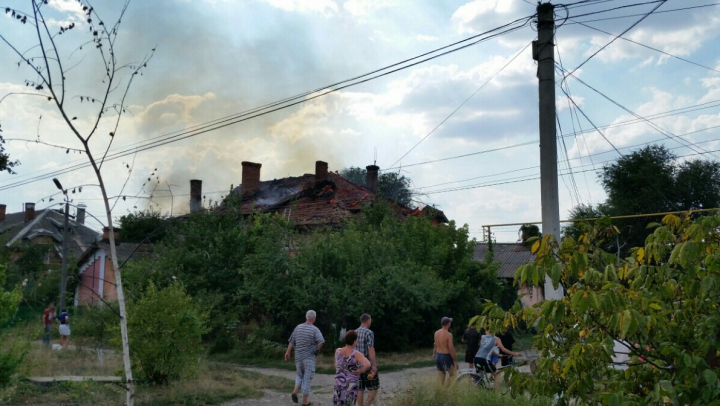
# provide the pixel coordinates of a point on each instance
(325, 363)
(430, 393)
(213, 384)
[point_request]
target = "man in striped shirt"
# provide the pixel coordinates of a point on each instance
(366, 345)
(307, 341)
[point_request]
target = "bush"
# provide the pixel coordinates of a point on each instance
(96, 326)
(12, 355)
(165, 328)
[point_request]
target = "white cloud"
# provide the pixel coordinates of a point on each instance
(361, 8)
(426, 38)
(481, 15)
(325, 7)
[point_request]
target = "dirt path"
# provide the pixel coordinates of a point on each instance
(322, 386)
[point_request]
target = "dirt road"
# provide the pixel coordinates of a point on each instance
(390, 383)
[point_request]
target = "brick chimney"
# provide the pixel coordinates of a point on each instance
(2, 212)
(106, 234)
(80, 215)
(250, 178)
(321, 171)
(371, 181)
(195, 195)
(29, 211)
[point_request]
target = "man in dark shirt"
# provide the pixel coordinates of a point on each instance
(507, 341)
(472, 338)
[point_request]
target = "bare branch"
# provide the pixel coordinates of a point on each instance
(57, 55)
(130, 170)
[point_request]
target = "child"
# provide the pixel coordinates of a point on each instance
(495, 356)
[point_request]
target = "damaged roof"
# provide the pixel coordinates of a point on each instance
(312, 203)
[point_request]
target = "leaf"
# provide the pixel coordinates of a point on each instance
(535, 247)
(625, 323)
(655, 306)
(710, 377)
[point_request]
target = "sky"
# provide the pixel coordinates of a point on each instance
(215, 58)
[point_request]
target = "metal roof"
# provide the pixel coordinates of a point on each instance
(511, 256)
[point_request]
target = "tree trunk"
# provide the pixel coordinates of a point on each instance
(129, 384)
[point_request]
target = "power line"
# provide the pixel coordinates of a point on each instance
(618, 36)
(659, 129)
(637, 15)
(652, 48)
(463, 103)
(282, 105)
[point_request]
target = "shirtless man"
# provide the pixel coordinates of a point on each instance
(444, 351)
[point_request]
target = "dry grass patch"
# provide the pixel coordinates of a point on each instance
(428, 392)
(43, 361)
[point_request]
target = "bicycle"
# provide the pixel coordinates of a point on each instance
(482, 378)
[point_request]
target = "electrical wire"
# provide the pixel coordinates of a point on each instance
(279, 105)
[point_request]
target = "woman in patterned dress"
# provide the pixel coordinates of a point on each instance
(349, 364)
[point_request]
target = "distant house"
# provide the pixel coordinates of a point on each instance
(510, 257)
(95, 271)
(45, 227)
(311, 200)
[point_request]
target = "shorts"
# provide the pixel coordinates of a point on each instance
(470, 355)
(444, 362)
(64, 330)
(481, 364)
(494, 359)
(369, 384)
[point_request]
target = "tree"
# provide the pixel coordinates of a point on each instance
(581, 213)
(6, 165)
(142, 226)
(391, 185)
(11, 356)
(167, 328)
(650, 180)
(50, 76)
(659, 306)
(697, 185)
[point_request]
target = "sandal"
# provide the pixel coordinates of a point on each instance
(294, 397)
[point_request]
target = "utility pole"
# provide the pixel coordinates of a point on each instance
(544, 53)
(66, 237)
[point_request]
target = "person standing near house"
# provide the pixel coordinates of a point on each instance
(369, 381)
(64, 319)
(472, 338)
(444, 351)
(48, 316)
(507, 340)
(307, 341)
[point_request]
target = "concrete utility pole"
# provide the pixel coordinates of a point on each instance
(544, 53)
(66, 237)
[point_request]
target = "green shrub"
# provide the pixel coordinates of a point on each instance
(165, 328)
(96, 326)
(11, 354)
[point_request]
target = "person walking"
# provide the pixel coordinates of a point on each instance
(483, 357)
(471, 337)
(350, 364)
(307, 341)
(48, 316)
(444, 351)
(64, 319)
(369, 381)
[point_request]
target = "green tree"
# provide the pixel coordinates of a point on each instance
(207, 251)
(142, 226)
(697, 185)
(659, 305)
(167, 328)
(650, 180)
(391, 185)
(96, 325)
(6, 165)
(11, 355)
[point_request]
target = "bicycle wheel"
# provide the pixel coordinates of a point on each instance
(471, 379)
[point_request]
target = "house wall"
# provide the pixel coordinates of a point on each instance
(531, 296)
(109, 292)
(89, 290)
